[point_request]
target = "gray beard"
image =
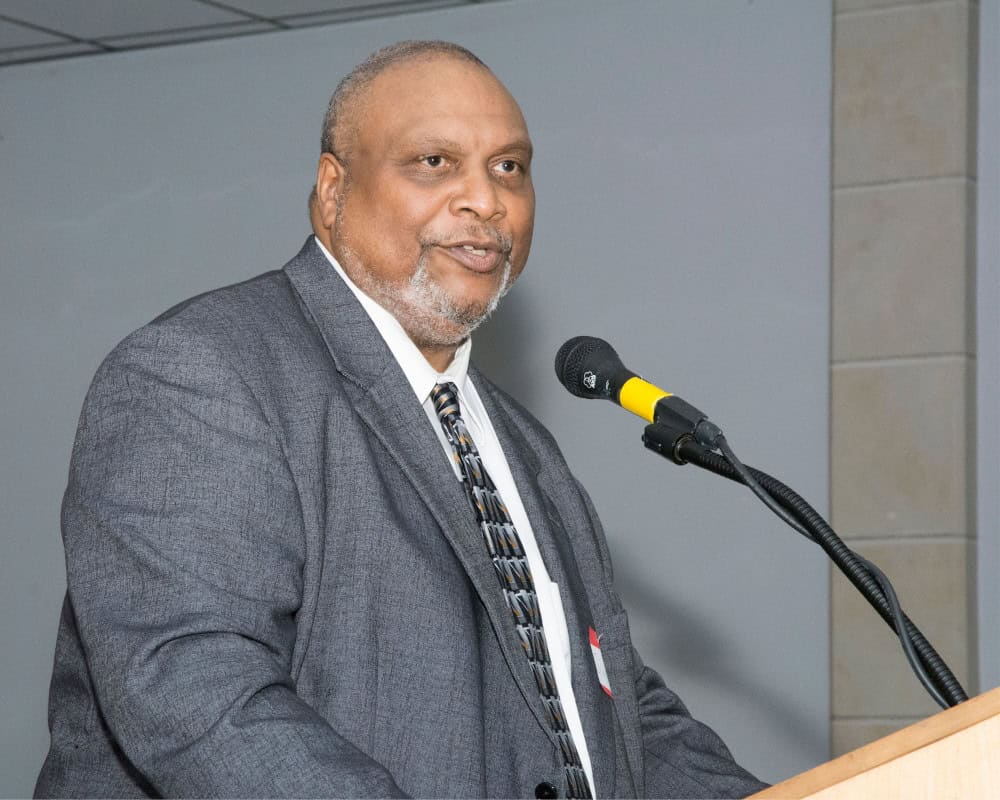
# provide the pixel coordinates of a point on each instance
(424, 293)
(428, 315)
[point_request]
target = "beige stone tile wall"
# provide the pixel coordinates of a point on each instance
(901, 93)
(901, 282)
(902, 440)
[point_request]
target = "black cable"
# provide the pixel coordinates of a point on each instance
(747, 477)
(888, 592)
(904, 640)
(845, 559)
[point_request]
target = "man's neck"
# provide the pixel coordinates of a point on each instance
(438, 357)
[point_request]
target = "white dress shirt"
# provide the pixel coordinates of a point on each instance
(422, 378)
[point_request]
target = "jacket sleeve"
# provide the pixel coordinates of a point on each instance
(185, 550)
(682, 756)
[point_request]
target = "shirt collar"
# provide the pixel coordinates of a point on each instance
(419, 373)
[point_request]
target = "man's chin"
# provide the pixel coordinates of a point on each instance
(428, 311)
(449, 330)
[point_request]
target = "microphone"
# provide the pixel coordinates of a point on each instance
(589, 367)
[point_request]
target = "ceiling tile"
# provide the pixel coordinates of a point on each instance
(191, 35)
(356, 10)
(124, 24)
(94, 19)
(12, 35)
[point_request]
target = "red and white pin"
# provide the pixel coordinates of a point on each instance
(602, 673)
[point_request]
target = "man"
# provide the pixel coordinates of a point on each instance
(312, 551)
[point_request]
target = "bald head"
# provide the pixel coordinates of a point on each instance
(340, 124)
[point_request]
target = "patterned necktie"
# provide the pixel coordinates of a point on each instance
(512, 569)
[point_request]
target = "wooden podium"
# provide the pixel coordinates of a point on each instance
(954, 754)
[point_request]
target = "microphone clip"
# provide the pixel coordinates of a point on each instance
(667, 439)
(677, 422)
(680, 416)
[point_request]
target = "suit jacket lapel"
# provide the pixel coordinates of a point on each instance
(559, 551)
(385, 402)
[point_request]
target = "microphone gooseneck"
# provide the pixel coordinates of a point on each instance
(589, 367)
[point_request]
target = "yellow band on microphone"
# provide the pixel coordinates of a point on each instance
(640, 397)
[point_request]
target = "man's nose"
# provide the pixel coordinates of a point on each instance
(478, 193)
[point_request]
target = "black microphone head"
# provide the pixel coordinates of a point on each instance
(589, 367)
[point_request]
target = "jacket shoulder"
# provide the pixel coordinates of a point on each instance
(234, 310)
(251, 339)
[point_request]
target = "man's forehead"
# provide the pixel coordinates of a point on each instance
(424, 98)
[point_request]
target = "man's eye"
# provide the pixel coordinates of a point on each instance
(433, 161)
(509, 167)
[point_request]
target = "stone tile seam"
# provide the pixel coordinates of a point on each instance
(910, 537)
(902, 183)
(914, 359)
(904, 5)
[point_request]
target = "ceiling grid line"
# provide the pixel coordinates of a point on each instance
(66, 37)
(248, 14)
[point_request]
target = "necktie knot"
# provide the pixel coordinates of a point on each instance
(444, 396)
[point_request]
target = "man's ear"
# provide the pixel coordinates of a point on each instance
(331, 180)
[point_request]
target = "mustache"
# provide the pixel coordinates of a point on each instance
(503, 241)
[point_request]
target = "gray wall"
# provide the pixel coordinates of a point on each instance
(683, 184)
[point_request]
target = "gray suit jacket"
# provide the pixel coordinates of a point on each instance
(276, 586)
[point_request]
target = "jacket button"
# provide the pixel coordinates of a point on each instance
(546, 790)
